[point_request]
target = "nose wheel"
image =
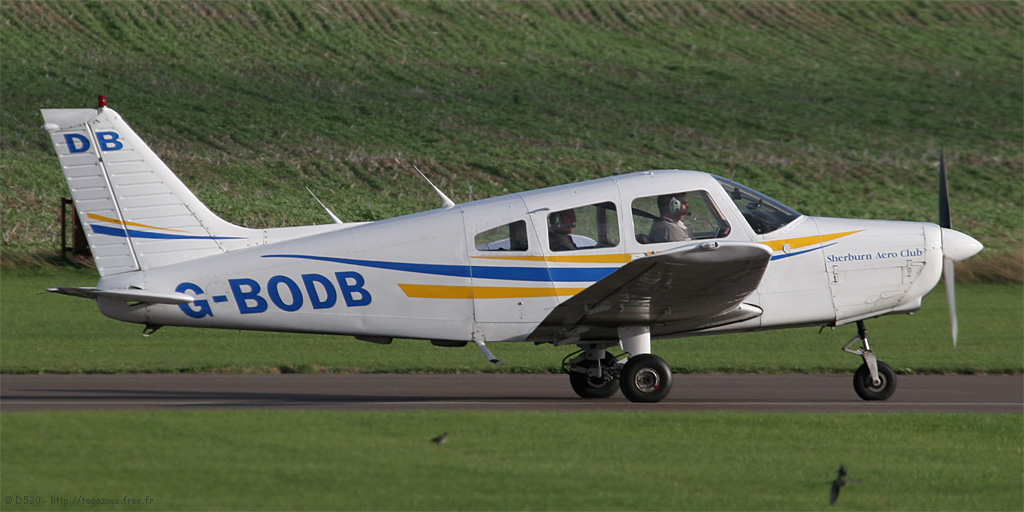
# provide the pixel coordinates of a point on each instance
(870, 389)
(873, 380)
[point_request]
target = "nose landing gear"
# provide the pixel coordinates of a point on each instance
(873, 380)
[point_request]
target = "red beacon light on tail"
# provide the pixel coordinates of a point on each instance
(103, 101)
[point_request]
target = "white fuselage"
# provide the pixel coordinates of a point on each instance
(434, 275)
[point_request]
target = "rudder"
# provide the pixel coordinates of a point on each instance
(137, 214)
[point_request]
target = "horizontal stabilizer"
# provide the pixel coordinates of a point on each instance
(130, 294)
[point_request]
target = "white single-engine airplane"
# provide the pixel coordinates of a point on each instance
(612, 261)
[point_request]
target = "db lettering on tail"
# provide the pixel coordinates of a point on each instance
(107, 141)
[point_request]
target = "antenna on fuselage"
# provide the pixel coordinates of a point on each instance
(322, 205)
(445, 201)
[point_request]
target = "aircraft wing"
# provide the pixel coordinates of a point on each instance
(696, 286)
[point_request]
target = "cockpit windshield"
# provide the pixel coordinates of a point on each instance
(763, 213)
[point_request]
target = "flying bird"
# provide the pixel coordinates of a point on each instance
(838, 484)
(440, 439)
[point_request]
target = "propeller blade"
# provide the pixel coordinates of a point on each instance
(956, 246)
(945, 221)
(948, 279)
(944, 218)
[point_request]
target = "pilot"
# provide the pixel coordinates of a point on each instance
(560, 227)
(670, 227)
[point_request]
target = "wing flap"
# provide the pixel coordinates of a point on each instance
(129, 294)
(695, 286)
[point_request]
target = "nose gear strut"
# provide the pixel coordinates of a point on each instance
(874, 380)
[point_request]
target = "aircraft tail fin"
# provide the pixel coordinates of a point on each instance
(136, 213)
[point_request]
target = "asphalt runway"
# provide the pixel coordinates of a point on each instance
(507, 392)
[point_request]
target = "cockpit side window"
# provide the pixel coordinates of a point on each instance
(507, 237)
(763, 213)
(677, 217)
(584, 227)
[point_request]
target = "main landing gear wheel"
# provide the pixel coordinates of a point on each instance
(593, 371)
(645, 378)
(588, 387)
(867, 389)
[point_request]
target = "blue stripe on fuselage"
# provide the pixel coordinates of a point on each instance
(537, 274)
(781, 256)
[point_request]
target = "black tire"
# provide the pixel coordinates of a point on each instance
(645, 378)
(867, 390)
(586, 387)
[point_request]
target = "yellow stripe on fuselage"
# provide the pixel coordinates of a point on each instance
(427, 291)
(776, 245)
(594, 258)
(796, 243)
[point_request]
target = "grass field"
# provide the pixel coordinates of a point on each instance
(837, 108)
(512, 461)
(83, 340)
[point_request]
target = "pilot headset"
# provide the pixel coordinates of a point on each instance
(675, 205)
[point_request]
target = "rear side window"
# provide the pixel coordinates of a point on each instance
(507, 237)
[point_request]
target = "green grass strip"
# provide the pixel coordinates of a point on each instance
(305, 460)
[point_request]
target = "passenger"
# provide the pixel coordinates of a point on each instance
(670, 227)
(560, 227)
